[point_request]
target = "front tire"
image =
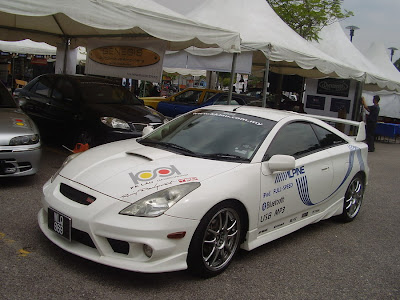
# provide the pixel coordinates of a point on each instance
(353, 199)
(216, 240)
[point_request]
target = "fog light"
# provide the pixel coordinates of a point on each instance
(147, 250)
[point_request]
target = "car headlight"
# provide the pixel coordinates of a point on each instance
(66, 161)
(115, 123)
(156, 204)
(25, 140)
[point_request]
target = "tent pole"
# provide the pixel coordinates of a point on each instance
(67, 42)
(265, 88)
(234, 58)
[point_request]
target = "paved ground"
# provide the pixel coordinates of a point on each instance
(328, 260)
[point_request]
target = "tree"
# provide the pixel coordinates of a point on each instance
(307, 17)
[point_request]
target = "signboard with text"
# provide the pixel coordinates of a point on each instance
(139, 59)
(334, 87)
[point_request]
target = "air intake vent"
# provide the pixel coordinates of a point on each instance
(75, 195)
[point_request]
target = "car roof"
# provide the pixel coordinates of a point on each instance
(82, 78)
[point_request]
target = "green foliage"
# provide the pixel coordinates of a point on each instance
(307, 17)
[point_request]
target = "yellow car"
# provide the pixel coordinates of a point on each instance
(193, 95)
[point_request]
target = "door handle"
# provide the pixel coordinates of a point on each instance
(325, 168)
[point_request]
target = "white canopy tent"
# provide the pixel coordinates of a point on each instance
(334, 42)
(377, 54)
(58, 21)
(262, 29)
(27, 47)
(270, 39)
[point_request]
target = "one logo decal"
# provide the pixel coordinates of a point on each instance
(289, 174)
(147, 175)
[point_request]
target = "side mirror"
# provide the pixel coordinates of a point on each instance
(281, 163)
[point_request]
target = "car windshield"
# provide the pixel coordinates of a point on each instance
(6, 100)
(212, 134)
(103, 93)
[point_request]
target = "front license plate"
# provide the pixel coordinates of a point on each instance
(59, 223)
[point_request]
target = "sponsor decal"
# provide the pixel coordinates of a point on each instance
(279, 225)
(304, 215)
(148, 175)
(302, 183)
(190, 179)
(270, 204)
(289, 174)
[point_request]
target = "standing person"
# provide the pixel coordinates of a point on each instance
(372, 119)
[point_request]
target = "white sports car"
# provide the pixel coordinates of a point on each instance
(191, 192)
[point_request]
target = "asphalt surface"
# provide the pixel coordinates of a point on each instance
(327, 260)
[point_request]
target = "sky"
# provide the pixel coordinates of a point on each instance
(378, 21)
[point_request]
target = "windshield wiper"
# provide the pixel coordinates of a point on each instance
(225, 156)
(169, 145)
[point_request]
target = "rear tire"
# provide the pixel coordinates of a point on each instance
(216, 240)
(353, 199)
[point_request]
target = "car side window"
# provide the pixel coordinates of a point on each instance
(327, 138)
(63, 91)
(208, 95)
(223, 100)
(296, 139)
(42, 87)
(189, 97)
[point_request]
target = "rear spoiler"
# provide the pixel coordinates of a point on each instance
(361, 134)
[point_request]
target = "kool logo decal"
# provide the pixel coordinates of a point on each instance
(147, 175)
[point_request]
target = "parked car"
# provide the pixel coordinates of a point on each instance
(175, 108)
(20, 146)
(85, 109)
(189, 95)
(195, 190)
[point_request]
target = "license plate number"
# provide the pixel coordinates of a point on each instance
(59, 223)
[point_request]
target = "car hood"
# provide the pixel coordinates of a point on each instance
(128, 113)
(128, 171)
(13, 122)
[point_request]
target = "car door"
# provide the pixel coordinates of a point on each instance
(182, 103)
(63, 105)
(35, 100)
(290, 196)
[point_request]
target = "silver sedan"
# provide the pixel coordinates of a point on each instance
(20, 146)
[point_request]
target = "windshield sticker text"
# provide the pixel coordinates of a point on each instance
(230, 117)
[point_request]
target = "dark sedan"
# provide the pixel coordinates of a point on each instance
(175, 108)
(85, 109)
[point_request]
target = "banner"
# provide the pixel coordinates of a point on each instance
(138, 59)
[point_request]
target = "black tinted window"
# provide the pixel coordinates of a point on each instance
(295, 139)
(42, 87)
(103, 93)
(64, 90)
(6, 99)
(189, 97)
(326, 138)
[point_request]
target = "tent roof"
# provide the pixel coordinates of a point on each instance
(28, 47)
(334, 41)
(377, 54)
(53, 20)
(262, 29)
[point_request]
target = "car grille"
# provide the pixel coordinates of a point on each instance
(11, 166)
(75, 195)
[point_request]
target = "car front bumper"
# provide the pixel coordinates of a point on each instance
(19, 160)
(101, 234)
